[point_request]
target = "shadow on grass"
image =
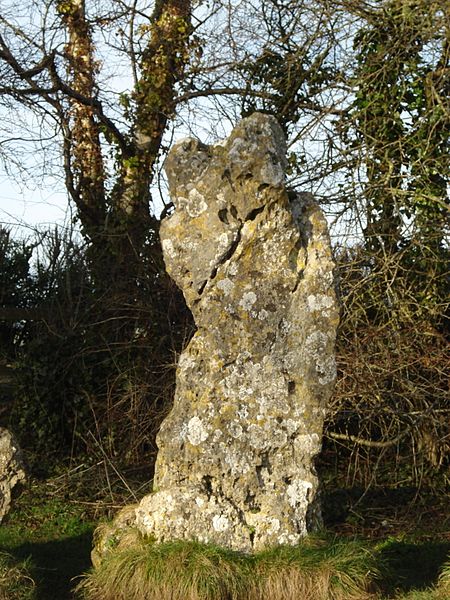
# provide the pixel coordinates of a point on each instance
(55, 563)
(411, 566)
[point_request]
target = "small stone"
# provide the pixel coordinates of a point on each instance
(12, 470)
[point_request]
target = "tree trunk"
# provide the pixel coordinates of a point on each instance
(123, 236)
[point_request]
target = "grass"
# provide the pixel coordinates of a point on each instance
(439, 592)
(45, 545)
(320, 568)
(45, 540)
(412, 565)
(401, 556)
(317, 569)
(140, 569)
(16, 582)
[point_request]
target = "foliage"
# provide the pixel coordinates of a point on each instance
(392, 404)
(401, 120)
(15, 286)
(81, 386)
(94, 371)
(388, 418)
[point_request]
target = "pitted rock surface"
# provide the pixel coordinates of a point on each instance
(12, 470)
(236, 454)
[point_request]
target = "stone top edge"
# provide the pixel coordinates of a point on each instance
(255, 120)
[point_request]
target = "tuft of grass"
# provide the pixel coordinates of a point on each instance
(317, 569)
(15, 580)
(140, 569)
(444, 577)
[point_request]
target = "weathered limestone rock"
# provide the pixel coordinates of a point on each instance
(11, 469)
(236, 454)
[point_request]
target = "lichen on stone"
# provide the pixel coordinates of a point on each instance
(12, 470)
(236, 453)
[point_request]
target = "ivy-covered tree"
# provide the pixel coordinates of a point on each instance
(55, 68)
(402, 119)
(54, 71)
(394, 283)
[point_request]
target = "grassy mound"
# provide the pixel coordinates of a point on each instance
(317, 569)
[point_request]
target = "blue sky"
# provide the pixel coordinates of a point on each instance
(24, 208)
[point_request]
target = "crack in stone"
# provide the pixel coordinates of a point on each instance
(264, 464)
(223, 215)
(207, 486)
(298, 280)
(202, 287)
(301, 244)
(228, 254)
(228, 364)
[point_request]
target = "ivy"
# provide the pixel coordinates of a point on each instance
(405, 132)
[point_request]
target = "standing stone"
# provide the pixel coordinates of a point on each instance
(236, 454)
(11, 469)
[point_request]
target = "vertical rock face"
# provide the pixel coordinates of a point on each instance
(235, 462)
(11, 469)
